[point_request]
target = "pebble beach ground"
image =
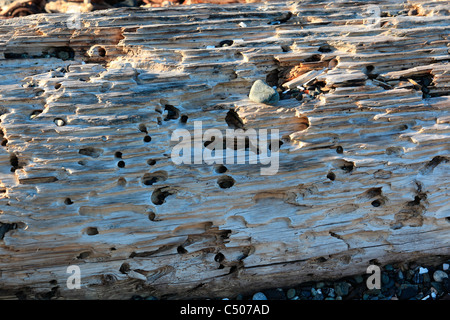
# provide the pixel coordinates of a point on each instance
(398, 282)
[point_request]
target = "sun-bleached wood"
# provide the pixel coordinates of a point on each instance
(364, 171)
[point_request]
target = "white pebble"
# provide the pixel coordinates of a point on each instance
(242, 25)
(433, 295)
(423, 270)
(439, 275)
(445, 266)
(210, 47)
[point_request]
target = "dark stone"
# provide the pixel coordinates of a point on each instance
(275, 294)
(408, 292)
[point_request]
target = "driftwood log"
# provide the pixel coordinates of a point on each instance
(87, 115)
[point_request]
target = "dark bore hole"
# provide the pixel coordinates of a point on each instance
(4, 142)
(233, 269)
(125, 268)
(68, 201)
(369, 68)
(221, 169)
(219, 257)
(151, 162)
(35, 113)
(121, 164)
(225, 182)
(331, 176)
(57, 86)
(447, 219)
(339, 149)
(376, 203)
(226, 43)
(181, 250)
(118, 154)
(64, 53)
(14, 161)
(143, 128)
(91, 231)
(172, 112)
(121, 182)
(159, 195)
(184, 119)
(151, 216)
(84, 255)
(147, 139)
(101, 52)
(233, 120)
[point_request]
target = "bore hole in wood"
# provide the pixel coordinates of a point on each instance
(142, 128)
(84, 255)
(121, 164)
(147, 139)
(151, 216)
(172, 112)
(122, 182)
(118, 154)
(226, 43)
(68, 201)
(233, 120)
(101, 52)
(181, 250)
(219, 257)
(376, 203)
(151, 162)
(57, 86)
(125, 268)
(331, 176)
(91, 152)
(159, 195)
(370, 68)
(220, 168)
(150, 178)
(225, 182)
(184, 118)
(35, 113)
(233, 269)
(91, 231)
(339, 149)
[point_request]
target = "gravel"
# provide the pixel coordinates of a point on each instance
(398, 282)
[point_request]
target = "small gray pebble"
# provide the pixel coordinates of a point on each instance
(290, 294)
(263, 93)
(439, 275)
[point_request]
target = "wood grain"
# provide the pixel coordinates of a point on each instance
(364, 170)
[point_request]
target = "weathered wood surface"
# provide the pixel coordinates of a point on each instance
(364, 171)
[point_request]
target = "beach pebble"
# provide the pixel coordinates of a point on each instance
(290, 294)
(259, 296)
(423, 270)
(445, 266)
(439, 275)
(341, 288)
(263, 93)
